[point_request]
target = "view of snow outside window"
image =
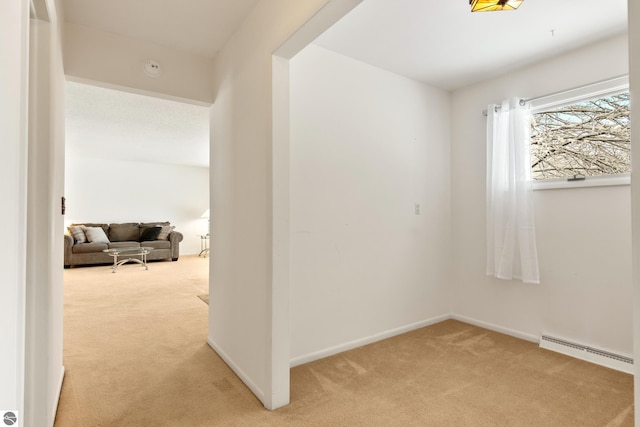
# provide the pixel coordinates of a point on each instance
(587, 138)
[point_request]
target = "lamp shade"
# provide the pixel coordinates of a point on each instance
(205, 214)
(490, 5)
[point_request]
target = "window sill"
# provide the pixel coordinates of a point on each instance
(590, 181)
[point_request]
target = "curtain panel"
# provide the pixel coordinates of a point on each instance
(511, 240)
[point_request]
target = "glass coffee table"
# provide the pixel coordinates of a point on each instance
(128, 252)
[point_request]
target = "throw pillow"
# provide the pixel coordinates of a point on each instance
(166, 230)
(105, 227)
(96, 235)
(77, 231)
(150, 233)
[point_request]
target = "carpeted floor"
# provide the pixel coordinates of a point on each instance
(136, 355)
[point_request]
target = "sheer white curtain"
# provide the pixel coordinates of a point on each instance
(511, 239)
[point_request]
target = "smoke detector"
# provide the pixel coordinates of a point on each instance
(152, 68)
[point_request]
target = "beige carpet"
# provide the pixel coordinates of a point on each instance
(136, 355)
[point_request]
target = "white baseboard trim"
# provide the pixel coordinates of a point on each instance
(578, 351)
(239, 372)
(608, 359)
(56, 400)
(300, 360)
(496, 328)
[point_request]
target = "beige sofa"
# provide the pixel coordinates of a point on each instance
(132, 234)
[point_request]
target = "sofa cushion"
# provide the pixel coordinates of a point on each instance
(149, 233)
(115, 245)
(125, 232)
(85, 248)
(157, 244)
(154, 224)
(96, 235)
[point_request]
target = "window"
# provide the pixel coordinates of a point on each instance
(582, 136)
(588, 138)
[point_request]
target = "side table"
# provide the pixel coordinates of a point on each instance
(204, 245)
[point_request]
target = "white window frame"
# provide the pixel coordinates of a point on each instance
(572, 96)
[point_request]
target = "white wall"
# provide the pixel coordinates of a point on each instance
(96, 56)
(634, 82)
(32, 126)
(241, 316)
(583, 234)
(14, 50)
(106, 191)
(44, 323)
(366, 145)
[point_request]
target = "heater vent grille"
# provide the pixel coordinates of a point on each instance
(597, 352)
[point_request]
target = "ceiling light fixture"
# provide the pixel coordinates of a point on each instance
(490, 5)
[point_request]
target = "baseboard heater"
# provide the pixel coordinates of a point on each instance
(590, 354)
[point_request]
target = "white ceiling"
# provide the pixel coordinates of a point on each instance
(442, 43)
(201, 27)
(439, 42)
(436, 41)
(118, 125)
